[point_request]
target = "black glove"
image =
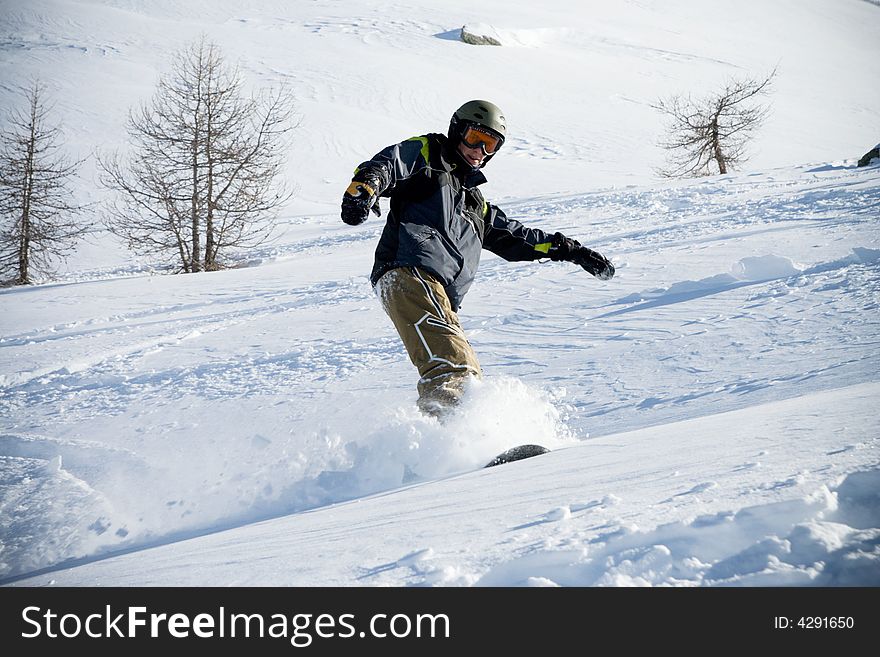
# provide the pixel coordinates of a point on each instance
(565, 248)
(594, 262)
(358, 200)
(362, 196)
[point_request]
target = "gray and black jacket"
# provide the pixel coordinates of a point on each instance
(438, 219)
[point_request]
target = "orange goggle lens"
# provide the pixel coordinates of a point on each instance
(476, 138)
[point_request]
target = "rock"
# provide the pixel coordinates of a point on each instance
(478, 37)
(870, 157)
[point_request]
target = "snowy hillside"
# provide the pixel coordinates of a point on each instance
(711, 410)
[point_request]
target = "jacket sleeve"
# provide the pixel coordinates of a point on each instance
(511, 240)
(394, 164)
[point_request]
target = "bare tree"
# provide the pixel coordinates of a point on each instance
(202, 175)
(39, 220)
(708, 136)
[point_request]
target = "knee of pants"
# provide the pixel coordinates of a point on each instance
(420, 311)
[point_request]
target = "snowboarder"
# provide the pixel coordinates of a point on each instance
(430, 248)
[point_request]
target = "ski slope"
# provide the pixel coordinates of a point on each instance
(711, 409)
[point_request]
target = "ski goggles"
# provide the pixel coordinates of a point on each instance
(474, 137)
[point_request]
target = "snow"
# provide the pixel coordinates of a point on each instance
(710, 410)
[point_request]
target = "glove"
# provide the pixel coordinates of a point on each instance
(562, 247)
(569, 250)
(358, 200)
(594, 262)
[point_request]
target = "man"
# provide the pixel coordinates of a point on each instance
(430, 248)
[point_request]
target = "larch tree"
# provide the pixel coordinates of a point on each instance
(41, 222)
(202, 177)
(708, 136)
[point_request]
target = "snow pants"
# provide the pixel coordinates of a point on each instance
(422, 314)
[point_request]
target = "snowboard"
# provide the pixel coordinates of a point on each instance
(516, 454)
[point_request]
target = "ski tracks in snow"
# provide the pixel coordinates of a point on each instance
(773, 280)
(141, 353)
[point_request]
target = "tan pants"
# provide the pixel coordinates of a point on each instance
(420, 310)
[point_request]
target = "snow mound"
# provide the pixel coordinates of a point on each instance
(830, 538)
(764, 268)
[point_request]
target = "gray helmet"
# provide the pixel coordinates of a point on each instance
(483, 114)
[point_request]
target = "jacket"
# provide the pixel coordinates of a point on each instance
(438, 219)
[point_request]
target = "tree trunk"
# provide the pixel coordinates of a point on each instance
(24, 241)
(24, 248)
(717, 153)
(23, 251)
(210, 248)
(195, 254)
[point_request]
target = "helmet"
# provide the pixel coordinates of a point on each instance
(480, 114)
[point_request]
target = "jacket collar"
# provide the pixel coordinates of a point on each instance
(474, 178)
